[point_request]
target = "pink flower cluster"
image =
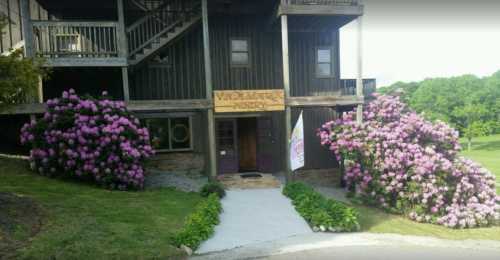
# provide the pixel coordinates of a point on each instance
(399, 161)
(89, 139)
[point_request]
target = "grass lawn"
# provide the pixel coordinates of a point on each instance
(81, 221)
(486, 151)
(377, 221)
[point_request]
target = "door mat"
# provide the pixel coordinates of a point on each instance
(249, 181)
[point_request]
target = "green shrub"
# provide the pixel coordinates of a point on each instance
(213, 187)
(320, 211)
(200, 225)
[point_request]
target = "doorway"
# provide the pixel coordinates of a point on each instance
(247, 144)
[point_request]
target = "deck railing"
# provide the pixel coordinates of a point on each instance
(320, 2)
(348, 87)
(70, 39)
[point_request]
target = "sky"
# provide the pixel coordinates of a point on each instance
(410, 40)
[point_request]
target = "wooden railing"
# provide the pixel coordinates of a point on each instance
(320, 2)
(348, 87)
(157, 23)
(69, 39)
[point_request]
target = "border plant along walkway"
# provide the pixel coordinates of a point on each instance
(321, 213)
(87, 222)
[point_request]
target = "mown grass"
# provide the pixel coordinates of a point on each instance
(486, 151)
(86, 222)
(378, 221)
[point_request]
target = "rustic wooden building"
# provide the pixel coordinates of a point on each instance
(218, 82)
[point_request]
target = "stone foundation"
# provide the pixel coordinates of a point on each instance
(186, 163)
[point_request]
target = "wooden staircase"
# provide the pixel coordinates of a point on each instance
(163, 22)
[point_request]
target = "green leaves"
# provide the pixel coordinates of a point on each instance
(320, 211)
(200, 225)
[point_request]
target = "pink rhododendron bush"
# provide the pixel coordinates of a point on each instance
(399, 161)
(89, 139)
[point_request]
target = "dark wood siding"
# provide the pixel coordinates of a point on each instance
(265, 71)
(180, 75)
(316, 156)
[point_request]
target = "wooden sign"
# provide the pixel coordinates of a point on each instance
(227, 101)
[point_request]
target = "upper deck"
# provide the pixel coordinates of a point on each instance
(320, 7)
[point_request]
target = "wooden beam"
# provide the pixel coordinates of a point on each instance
(86, 62)
(212, 158)
(27, 28)
(23, 109)
(134, 106)
(324, 101)
(290, 9)
(168, 105)
(286, 86)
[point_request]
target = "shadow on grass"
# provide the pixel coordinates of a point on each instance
(487, 146)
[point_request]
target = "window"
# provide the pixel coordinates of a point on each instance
(240, 53)
(170, 134)
(324, 64)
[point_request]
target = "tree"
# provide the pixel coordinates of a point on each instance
(472, 115)
(19, 77)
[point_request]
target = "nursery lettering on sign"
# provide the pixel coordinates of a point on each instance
(227, 101)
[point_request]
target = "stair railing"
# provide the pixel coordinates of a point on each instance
(148, 29)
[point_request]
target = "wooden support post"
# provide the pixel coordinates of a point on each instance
(123, 48)
(212, 159)
(40, 89)
(27, 29)
(286, 86)
(126, 93)
(359, 80)
(122, 37)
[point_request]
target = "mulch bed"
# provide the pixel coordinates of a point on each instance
(20, 220)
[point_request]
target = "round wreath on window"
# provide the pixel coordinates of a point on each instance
(180, 133)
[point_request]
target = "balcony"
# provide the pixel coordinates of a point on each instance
(78, 44)
(320, 7)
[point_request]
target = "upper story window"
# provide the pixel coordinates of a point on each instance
(240, 53)
(324, 62)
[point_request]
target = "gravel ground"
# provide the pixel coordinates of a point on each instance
(157, 179)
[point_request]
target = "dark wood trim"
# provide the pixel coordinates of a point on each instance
(289, 9)
(324, 101)
(169, 105)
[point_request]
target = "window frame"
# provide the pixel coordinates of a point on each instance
(317, 63)
(248, 52)
(169, 117)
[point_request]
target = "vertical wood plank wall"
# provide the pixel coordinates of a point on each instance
(181, 76)
(12, 33)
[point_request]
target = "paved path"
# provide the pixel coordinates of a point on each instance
(252, 216)
(362, 246)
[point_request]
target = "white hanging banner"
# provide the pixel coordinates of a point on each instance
(297, 145)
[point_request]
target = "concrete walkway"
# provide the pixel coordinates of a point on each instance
(253, 216)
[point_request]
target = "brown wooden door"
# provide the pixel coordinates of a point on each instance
(247, 144)
(227, 147)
